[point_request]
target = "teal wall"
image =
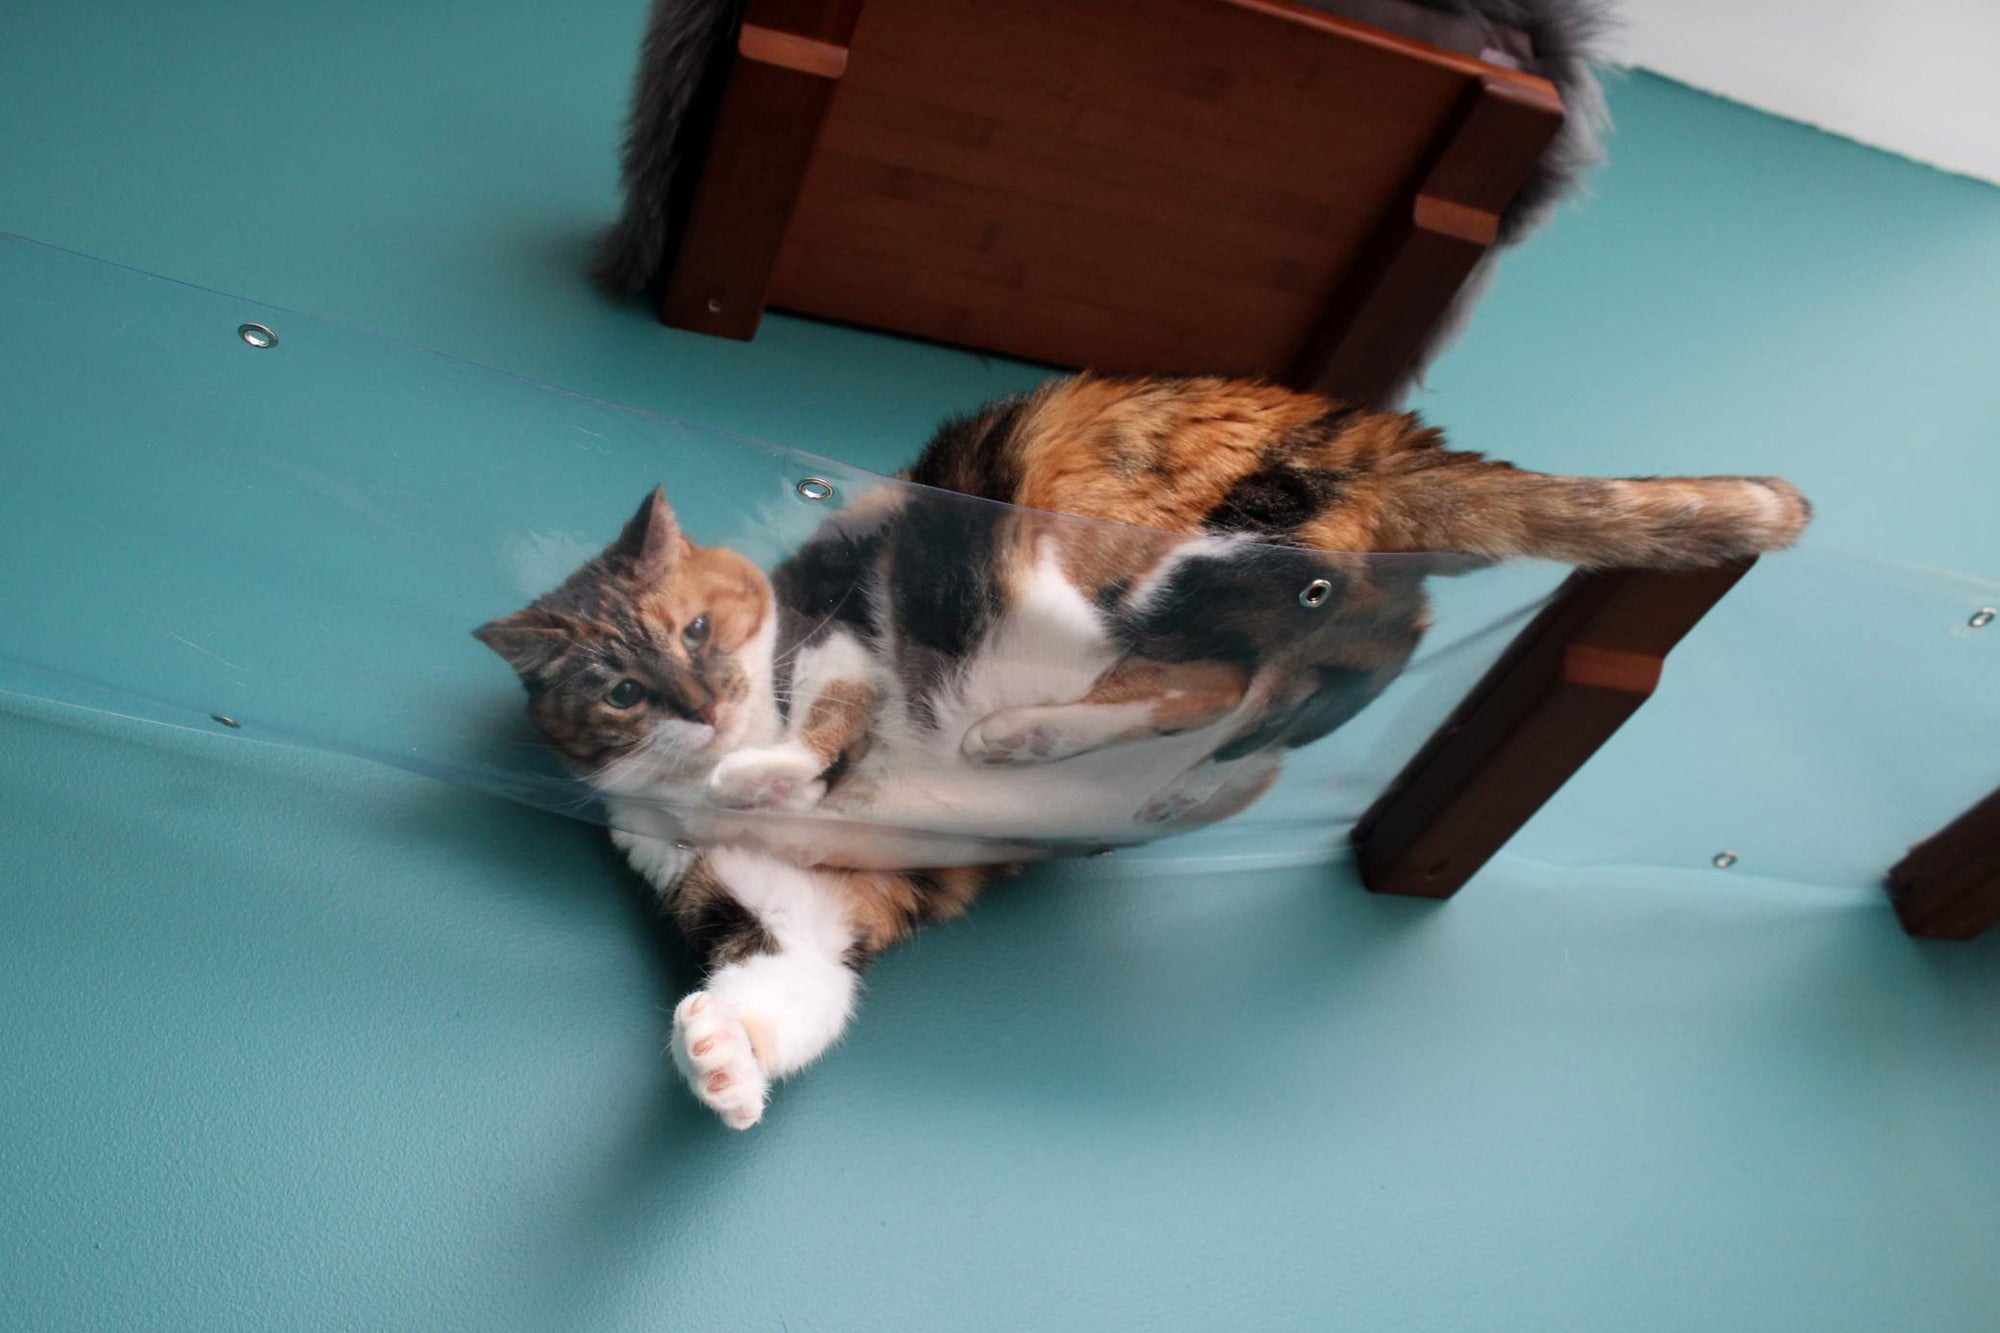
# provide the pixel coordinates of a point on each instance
(297, 1042)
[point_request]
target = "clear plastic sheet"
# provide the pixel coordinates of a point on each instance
(294, 542)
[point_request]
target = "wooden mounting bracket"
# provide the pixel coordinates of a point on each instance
(1378, 323)
(790, 55)
(1566, 683)
(1948, 887)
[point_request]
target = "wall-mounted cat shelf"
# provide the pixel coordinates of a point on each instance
(1249, 187)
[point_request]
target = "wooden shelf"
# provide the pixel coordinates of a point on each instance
(1243, 187)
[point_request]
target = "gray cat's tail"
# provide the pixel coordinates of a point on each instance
(685, 54)
(1467, 504)
(1568, 38)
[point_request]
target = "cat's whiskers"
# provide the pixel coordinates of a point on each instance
(559, 683)
(810, 637)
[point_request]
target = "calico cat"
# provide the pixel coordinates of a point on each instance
(936, 681)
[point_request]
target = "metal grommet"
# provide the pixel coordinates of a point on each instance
(226, 721)
(1316, 594)
(714, 305)
(815, 489)
(257, 335)
(1982, 617)
(1722, 860)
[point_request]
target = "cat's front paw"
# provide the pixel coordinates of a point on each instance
(713, 1052)
(783, 778)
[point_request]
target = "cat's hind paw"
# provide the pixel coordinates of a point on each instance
(1211, 790)
(1172, 805)
(784, 778)
(1033, 735)
(713, 1052)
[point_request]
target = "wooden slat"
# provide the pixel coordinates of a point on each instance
(1948, 887)
(790, 55)
(1377, 325)
(1566, 683)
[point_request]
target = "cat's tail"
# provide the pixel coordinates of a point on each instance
(685, 51)
(1459, 502)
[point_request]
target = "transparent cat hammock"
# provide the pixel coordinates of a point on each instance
(228, 517)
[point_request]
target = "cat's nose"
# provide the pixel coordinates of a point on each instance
(705, 714)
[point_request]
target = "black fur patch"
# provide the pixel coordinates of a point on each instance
(942, 576)
(1223, 608)
(823, 586)
(722, 930)
(826, 580)
(1276, 501)
(941, 585)
(1339, 696)
(837, 770)
(975, 455)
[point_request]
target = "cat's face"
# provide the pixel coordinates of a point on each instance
(646, 661)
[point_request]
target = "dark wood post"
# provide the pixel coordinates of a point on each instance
(1566, 683)
(790, 55)
(1413, 269)
(1948, 887)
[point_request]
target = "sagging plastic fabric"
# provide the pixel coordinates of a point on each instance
(230, 517)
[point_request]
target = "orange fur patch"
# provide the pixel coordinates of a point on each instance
(715, 581)
(886, 906)
(839, 721)
(1184, 695)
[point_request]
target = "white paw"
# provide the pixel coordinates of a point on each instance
(713, 1052)
(1017, 736)
(777, 777)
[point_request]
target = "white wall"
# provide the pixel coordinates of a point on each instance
(1917, 77)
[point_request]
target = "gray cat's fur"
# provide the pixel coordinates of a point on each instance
(684, 53)
(1567, 37)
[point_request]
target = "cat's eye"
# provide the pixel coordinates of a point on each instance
(625, 693)
(696, 632)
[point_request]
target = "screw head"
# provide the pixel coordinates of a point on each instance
(1723, 860)
(257, 335)
(1315, 594)
(226, 721)
(1982, 617)
(815, 489)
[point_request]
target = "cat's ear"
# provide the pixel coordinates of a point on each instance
(652, 540)
(529, 639)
